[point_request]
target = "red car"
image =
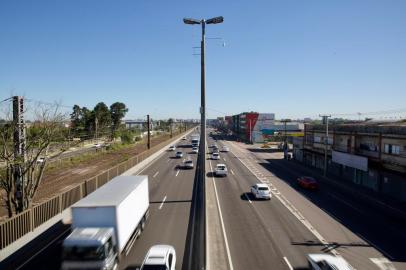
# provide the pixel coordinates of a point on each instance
(308, 182)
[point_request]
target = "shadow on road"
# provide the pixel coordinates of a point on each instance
(133, 267)
(374, 227)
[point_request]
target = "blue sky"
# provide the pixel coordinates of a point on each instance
(293, 58)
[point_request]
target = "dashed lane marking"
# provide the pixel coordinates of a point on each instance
(155, 174)
(162, 203)
(288, 263)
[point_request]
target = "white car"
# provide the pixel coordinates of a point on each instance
(184, 138)
(225, 149)
(179, 154)
(160, 257)
(172, 148)
(215, 156)
(97, 145)
(261, 191)
(188, 164)
(40, 160)
(327, 261)
(221, 170)
(195, 150)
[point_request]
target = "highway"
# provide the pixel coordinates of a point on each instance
(275, 234)
(279, 233)
(170, 200)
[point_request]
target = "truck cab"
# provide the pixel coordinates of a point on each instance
(90, 248)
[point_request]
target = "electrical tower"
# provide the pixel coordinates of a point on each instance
(19, 148)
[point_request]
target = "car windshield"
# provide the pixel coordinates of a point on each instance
(189, 161)
(154, 267)
(221, 167)
(263, 188)
(91, 253)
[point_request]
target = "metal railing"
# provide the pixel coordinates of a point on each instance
(21, 224)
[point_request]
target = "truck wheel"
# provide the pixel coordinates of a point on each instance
(115, 265)
(143, 224)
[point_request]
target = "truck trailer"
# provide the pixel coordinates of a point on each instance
(195, 138)
(106, 223)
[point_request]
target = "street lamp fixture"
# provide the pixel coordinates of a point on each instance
(215, 20)
(191, 21)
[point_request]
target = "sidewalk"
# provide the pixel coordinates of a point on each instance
(387, 205)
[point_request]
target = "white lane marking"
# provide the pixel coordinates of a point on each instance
(177, 172)
(285, 202)
(288, 263)
(232, 172)
(162, 203)
(222, 223)
(224, 159)
(169, 160)
(383, 263)
(248, 198)
(155, 174)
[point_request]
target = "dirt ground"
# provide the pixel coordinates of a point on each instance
(57, 180)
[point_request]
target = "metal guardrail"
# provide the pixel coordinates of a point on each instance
(21, 224)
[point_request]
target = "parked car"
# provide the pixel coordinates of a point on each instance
(308, 182)
(40, 160)
(327, 261)
(215, 156)
(184, 138)
(188, 164)
(261, 191)
(221, 170)
(225, 149)
(195, 150)
(179, 154)
(172, 148)
(160, 257)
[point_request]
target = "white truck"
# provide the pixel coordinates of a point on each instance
(195, 138)
(106, 223)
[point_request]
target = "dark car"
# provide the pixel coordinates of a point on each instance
(308, 182)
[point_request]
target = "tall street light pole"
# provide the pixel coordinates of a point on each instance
(203, 23)
(198, 255)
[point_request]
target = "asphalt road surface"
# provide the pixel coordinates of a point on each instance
(170, 200)
(268, 235)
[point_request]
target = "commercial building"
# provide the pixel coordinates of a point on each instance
(259, 127)
(372, 155)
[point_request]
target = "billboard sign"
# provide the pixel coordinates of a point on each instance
(353, 161)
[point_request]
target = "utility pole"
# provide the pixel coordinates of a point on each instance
(19, 149)
(285, 138)
(325, 121)
(148, 129)
(96, 123)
